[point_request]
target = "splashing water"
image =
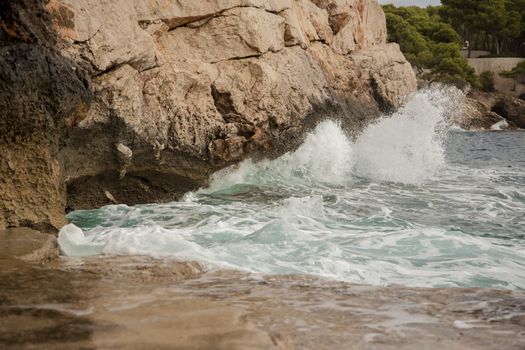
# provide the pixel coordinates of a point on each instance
(406, 203)
(407, 147)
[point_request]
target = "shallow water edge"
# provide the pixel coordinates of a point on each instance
(143, 303)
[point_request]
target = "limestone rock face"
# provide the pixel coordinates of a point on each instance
(238, 33)
(41, 92)
(474, 114)
(355, 24)
(387, 70)
(107, 31)
(191, 86)
(512, 109)
(305, 23)
(490, 111)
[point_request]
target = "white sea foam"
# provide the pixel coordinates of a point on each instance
(385, 208)
(324, 157)
(73, 242)
(406, 147)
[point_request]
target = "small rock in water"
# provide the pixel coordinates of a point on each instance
(125, 154)
(501, 125)
(110, 197)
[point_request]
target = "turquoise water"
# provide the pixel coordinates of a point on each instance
(410, 202)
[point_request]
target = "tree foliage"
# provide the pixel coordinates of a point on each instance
(517, 73)
(431, 38)
(431, 45)
(496, 25)
(486, 80)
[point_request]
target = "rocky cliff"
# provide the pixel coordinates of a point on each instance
(136, 101)
(40, 91)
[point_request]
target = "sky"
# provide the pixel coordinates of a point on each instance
(422, 3)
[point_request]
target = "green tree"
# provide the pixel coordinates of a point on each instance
(429, 24)
(464, 16)
(449, 65)
(500, 19)
(412, 43)
(486, 80)
(517, 73)
(493, 23)
(429, 44)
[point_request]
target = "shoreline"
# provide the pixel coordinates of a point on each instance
(140, 302)
(140, 102)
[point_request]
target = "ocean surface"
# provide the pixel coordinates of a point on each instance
(411, 201)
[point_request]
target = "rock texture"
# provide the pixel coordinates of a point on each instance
(139, 303)
(40, 92)
(481, 110)
(512, 109)
(475, 115)
(182, 88)
(27, 245)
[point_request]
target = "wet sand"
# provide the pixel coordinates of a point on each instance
(143, 303)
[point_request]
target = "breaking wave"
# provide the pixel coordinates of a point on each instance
(407, 202)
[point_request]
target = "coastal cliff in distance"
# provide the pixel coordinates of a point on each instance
(136, 101)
